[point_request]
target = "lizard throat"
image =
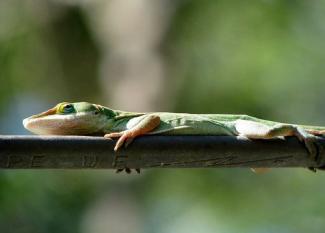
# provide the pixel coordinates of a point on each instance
(72, 124)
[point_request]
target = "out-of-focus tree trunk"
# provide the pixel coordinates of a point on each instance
(129, 33)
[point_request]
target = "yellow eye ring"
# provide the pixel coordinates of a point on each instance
(65, 108)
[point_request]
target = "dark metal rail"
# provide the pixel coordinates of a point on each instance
(153, 151)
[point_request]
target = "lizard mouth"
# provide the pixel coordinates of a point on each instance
(36, 122)
(51, 111)
(51, 123)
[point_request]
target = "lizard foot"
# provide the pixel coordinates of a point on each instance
(311, 146)
(143, 126)
(125, 137)
(314, 149)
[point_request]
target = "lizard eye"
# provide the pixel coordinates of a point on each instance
(66, 108)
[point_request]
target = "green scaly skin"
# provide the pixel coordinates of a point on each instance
(84, 118)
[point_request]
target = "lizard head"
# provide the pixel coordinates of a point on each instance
(80, 118)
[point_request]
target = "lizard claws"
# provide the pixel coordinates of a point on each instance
(124, 136)
(145, 125)
(128, 142)
(311, 146)
(127, 170)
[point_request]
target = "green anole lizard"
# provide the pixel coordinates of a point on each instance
(84, 118)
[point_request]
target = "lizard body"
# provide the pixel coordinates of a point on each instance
(84, 118)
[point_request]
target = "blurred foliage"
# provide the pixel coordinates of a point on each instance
(266, 52)
(52, 56)
(263, 58)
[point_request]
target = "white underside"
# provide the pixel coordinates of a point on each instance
(64, 124)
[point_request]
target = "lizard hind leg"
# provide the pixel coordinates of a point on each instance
(320, 133)
(257, 130)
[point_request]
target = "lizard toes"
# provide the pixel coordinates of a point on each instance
(113, 135)
(312, 147)
(128, 141)
(313, 169)
(120, 142)
(127, 170)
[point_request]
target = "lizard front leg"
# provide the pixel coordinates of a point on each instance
(144, 126)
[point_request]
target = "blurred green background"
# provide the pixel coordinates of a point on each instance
(262, 58)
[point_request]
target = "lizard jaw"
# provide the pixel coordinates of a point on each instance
(51, 124)
(34, 123)
(57, 124)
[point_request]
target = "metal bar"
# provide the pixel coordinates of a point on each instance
(65, 152)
